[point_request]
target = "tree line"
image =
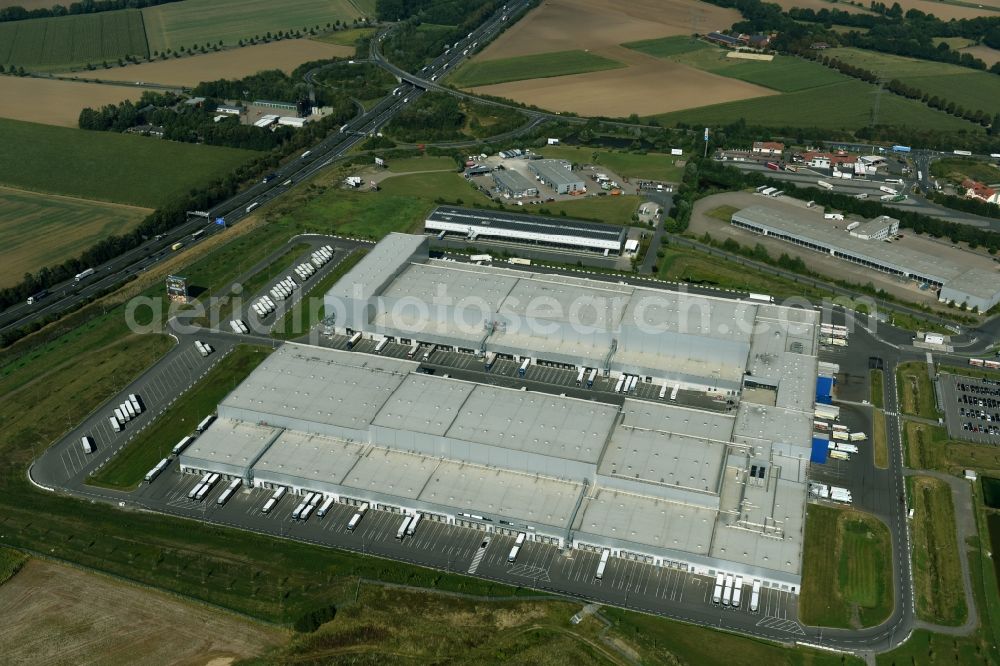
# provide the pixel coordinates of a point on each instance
(18, 13)
(911, 34)
(908, 34)
(986, 118)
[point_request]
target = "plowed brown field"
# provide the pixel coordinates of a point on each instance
(53, 102)
(647, 86)
(56, 614)
(566, 25)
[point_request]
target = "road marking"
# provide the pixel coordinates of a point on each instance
(476, 559)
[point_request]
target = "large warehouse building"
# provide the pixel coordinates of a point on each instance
(976, 287)
(556, 232)
(558, 175)
(705, 491)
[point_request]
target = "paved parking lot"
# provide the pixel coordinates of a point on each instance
(972, 408)
(458, 549)
(175, 373)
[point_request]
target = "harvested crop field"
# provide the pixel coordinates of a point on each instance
(182, 24)
(988, 55)
(57, 614)
(565, 25)
(231, 64)
(647, 86)
(54, 102)
(44, 229)
(946, 10)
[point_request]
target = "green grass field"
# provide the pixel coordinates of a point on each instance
(126, 469)
(937, 580)
(540, 66)
(11, 562)
(665, 47)
(694, 267)
(916, 394)
(846, 569)
(876, 390)
(784, 73)
(310, 310)
(966, 87)
(50, 43)
(880, 441)
(108, 167)
(198, 22)
(345, 37)
(928, 447)
(422, 163)
(846, 106)
(958, 169)
(650, 166)
(38, 230)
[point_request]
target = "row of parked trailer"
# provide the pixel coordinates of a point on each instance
(626, 384)
(239, 326)
(124, 413)
(285, 287)
(203, 347)
(729, 591)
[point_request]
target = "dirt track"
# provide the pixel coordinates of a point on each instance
(55, 102)
(231, 64)
(56, 614)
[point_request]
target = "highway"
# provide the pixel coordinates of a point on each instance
(68, 294)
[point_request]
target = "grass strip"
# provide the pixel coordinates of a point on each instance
(877, 389)
(937, 580)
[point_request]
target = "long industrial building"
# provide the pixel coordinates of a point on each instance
(958, 283)
(558, 175)
(555, 232)
(704, 491)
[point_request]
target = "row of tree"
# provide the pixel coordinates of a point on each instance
(911, 34)
(895, 86)
(18, 13)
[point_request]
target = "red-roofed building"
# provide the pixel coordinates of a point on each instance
(976, 190)
(827, 160)
(768, 147)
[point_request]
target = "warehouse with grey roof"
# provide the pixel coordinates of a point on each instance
(502, 226)
(976, 287)
(558, 175)
(649, 480)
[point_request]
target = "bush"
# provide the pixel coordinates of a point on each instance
(313, 620)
